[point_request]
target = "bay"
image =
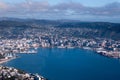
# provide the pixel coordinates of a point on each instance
(68, 64)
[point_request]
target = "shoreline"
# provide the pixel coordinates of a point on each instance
(105, 53)
(3, 60)
(39, 77)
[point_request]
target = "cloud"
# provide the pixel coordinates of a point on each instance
(59, 10)
(3, 5)
(112, 9)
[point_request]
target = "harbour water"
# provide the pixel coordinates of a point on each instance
(68, 64)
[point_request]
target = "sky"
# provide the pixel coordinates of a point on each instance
(84, 10)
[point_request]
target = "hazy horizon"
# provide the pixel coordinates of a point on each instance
(83, 10)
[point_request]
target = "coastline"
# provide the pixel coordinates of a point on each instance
(6, 60)
(39, 77)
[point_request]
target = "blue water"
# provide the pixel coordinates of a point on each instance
(68, 64)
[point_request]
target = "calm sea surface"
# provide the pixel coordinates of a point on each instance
(68, 64)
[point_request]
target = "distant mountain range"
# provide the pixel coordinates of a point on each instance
(97, 29)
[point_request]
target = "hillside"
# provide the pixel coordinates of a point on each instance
(65, 28)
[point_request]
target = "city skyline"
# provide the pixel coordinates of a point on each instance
(87, 10)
